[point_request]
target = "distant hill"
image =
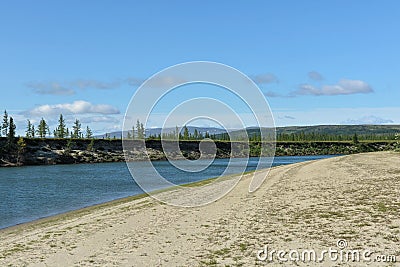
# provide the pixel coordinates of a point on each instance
(157, 131)
(344, 130)
(341, 129)
(328, 130)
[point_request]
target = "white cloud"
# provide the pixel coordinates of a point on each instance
(368, 120)
(77, 107)
(343, 87)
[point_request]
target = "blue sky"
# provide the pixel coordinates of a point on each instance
(318, 62)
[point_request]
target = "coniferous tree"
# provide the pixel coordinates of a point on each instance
(133, 132)
(76, 130)
(142, 131)
(185, 133)
(5, 124)
(28, 132)
(176, 133)
(11, 128)
(61, 131)
(89, 133)
(138, 128)
(11, 133)
(33, 131)
(43, 129)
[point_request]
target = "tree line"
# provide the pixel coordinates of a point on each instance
(42, 130)
(61, 131)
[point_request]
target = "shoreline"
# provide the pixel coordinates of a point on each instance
(303, 205)
(133, 197)
(110, 203)
(90, 208)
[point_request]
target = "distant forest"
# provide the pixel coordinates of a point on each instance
(331, 133)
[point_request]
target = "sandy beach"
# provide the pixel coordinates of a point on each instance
(308, 205)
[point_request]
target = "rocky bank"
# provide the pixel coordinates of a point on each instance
(67, 151)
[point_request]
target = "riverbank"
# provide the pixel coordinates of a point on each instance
(307, 205)
(75, 151)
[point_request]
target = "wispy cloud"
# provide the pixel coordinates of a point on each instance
(85, 84)
(315, 76)
(368, 120)
(160, 81)
(71, 87)
(134, 81)
(77, 107)
(272, 94)
(317, 116)
(289, 117)
(343, 87)
(265, 78)
(50, 88)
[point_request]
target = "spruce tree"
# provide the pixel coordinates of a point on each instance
(28, 132)
(5, 124)
(43, 129)
(33, 131)
(138, 129)
(176, 132)
(76, 130)
(185, 133)
(12, 128)
(11, 133)
(89, 133)
(61, 131)
(142, 132)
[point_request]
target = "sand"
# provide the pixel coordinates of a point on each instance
(309, 205)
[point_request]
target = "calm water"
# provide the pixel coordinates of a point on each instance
(33, 192)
